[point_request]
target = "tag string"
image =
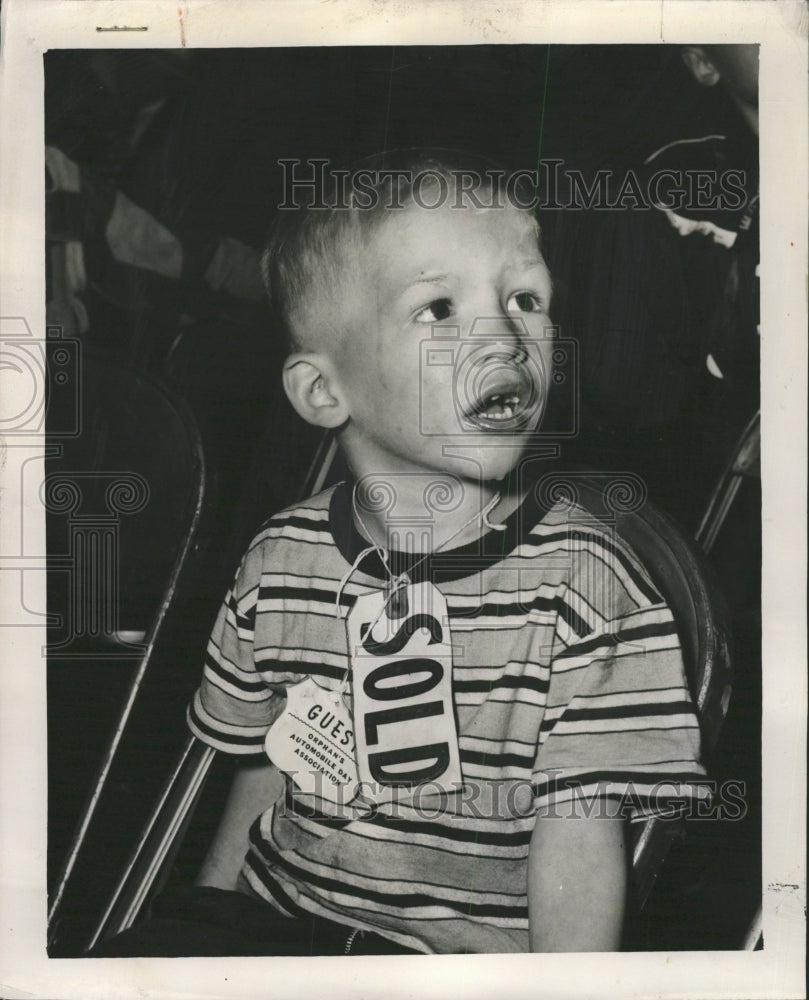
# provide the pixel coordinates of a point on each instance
(397, 581)
(352, 569)
(482, 515)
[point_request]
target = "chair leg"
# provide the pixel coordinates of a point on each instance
(744, 463)
(716, 513)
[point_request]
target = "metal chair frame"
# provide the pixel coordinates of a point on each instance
(745, 463)
(197, 491)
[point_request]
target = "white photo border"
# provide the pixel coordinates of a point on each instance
(29, 28)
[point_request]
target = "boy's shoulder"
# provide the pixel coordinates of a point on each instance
(572, 519)
(600, 564)
(283, 538)
(281, 543)
(307, 516)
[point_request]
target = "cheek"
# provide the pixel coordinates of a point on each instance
(358, 366)
(434, 392)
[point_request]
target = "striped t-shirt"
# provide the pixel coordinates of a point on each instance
(568, 688)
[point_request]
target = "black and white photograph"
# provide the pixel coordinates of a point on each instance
(404, 499)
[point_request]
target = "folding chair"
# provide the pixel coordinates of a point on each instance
(677, 570)
(129, 453)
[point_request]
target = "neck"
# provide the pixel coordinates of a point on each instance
(421, 512)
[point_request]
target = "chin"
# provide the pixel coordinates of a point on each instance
(489, 461)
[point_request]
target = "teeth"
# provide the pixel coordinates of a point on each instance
(500, 407)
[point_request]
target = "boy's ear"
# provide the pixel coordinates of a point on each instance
(313, 390)
(702, 68)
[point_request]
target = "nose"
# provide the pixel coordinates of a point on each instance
(506, 329)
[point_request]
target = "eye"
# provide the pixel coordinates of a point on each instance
(524, 302)
(435, 312)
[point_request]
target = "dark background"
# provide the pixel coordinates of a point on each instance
(194, 137)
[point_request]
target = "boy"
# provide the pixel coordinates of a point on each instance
(466, 645)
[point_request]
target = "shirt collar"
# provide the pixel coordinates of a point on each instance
(447, 564)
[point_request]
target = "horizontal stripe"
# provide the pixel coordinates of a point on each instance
(305, 667)
(306, 595)
(303, 654)
(507, 681)
(617, 638)
(667, 629)
(401, 900)
(232, 676)
(687, 779)
(309, 521)
(445, 852)
(647, 709)
(439, 890)
(555, 605)
(229, 743)
(606, 547)
(475, 832)
(492, 759)
(659, 695)
(665, 724)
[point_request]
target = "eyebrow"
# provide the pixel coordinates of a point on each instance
(441, 277)
(434, 277)
(431, 277)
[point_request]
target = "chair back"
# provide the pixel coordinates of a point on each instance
(680, 573)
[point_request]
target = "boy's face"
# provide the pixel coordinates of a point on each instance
(464, 405)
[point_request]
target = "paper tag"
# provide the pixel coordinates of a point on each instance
(312, 741)
(401, 675)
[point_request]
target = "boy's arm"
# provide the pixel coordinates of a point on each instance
(577, 875)
(255, 786)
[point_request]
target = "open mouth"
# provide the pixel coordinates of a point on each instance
(505, 397)
(498, 406)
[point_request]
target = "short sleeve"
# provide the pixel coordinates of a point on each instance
(233, 707)
(620, 734)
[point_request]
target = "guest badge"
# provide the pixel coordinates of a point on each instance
(312, 741)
